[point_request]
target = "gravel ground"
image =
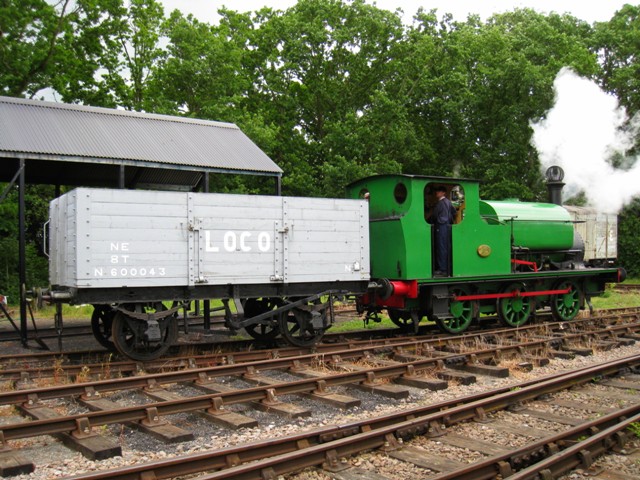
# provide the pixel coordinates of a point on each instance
(53, 460)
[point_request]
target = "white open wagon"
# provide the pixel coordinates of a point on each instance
(277, 259)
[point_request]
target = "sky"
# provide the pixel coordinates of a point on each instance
(588, 10)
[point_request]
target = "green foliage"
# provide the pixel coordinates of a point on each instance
(9, 282)
(36, 268)
(69, 312)
(29, 31)
(628, 245)
(320, 69)
(358, 323)
(617, 43)
(36, 200)
(200, 74)
(634, 428)
(578, 200)
(112, 51)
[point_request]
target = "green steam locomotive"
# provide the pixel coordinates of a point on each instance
(508, 258)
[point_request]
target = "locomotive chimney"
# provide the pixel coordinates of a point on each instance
(554, 175)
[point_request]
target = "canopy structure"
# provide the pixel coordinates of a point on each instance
(76, 145)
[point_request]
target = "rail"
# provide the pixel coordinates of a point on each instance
(328, 445)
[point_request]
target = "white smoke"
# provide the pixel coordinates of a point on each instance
(581, 133)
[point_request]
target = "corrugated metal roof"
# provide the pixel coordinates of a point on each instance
(43, 129)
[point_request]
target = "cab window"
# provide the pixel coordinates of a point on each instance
(455, 193)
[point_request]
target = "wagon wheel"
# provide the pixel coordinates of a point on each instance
(515, 311)
(401, 318)
(137, 339)
(101, 324)
(461, 312)
(297, 325)
(262, 331)
(565, 306)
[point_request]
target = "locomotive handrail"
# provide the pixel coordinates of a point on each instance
(385, 219)
(523, 220)
(497, 220)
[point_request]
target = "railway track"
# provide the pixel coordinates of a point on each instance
(71, 362)
(550, 454)
(627, 287)
(226, 390)
(84, 365)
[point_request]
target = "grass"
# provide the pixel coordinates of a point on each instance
(615, 299)
(358, 324)
(71, 312)
(634, 428)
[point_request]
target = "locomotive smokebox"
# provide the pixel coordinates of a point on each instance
(555, 175)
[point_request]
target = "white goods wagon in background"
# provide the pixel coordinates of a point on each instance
(599, 232)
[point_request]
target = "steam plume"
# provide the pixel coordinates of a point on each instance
(584, 130)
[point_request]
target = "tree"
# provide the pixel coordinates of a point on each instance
(129, 73)
(110, 53)
(628, 246)
(475, 87)
(616, 42)
(433, 82)
(202, 72)
(36, 199)
(319, 67)
(97, 52)
(206, 72)
(518, 54)
(30, 32)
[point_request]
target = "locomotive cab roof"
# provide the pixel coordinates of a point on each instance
(411, 177)
(395, 195)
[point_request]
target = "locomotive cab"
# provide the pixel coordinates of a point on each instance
(402, 245)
